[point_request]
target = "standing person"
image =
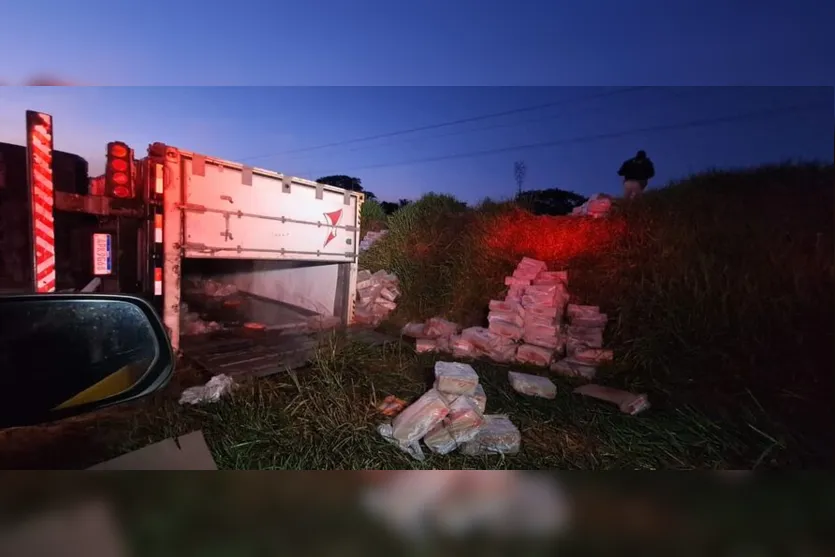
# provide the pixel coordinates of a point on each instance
(636, 173)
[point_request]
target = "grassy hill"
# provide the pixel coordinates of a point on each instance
(719, 290)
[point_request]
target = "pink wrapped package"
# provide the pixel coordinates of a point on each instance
(445, 343)
(478, 398)
(535, 355)
(463, 420)
(515, 281)
(503, 354)
(507, 330)
(592, 338)
(425, 345)
(414, 330)
(513, 318)
(417, 419)
(593, 356)
(546, 290)
(549, 342)
(537, 330)
(544, 312)
(455, 378)
(483, 339)
(462, 348)
(572, 368)
(529, 263)
(552, 277)
(515, 293)
(535, 320)
(598, 321)
(582, 312)
(506, 306)
(531, 300)
(438, 327)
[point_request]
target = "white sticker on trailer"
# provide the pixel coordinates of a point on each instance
(102, 254)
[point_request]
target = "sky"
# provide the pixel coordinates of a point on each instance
(431, 62)
(577, 143)
(423, 42)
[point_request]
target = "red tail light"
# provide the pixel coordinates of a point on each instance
(117, 176)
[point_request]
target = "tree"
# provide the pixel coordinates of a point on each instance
(347, 183)
(519, 172)
(390, 207)
(553, 201)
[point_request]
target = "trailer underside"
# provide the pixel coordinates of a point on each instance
(286, 341)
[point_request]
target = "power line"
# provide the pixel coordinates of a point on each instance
(471, 130)
(451, 122)
(588, 138)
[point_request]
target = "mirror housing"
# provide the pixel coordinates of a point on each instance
(63, 355)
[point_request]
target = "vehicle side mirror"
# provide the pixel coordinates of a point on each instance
(63, 355)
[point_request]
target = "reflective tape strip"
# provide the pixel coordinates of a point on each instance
(158, 183)
(158, 281)
(42, 191)
(158, 229)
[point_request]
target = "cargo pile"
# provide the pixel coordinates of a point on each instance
(451, 415)
(598, 206)
(376, 297)
(371, 238)
(526, 327)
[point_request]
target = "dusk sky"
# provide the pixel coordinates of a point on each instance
(431, 43)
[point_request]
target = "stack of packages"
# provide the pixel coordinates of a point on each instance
(541, 297)
(584, 342)
(451, 415)
(376, 295)
(526, 327)
(371, 238)
(436, 335)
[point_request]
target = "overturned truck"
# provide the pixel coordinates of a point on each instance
(161, 225)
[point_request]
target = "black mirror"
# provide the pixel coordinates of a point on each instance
(66, 354)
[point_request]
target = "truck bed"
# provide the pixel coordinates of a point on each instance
(284, 344)
(234, 353)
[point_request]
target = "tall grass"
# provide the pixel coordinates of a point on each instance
(720, 288)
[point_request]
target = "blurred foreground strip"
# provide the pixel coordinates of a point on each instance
(85, 530)
(420, 504)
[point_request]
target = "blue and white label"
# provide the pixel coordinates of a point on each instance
(102, 254)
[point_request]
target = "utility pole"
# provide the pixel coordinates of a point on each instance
(519, 171)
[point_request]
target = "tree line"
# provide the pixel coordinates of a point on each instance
(551, 201)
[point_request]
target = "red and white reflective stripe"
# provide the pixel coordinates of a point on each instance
(158, 281)
(43, 221)
(158, 183)
(158, 229)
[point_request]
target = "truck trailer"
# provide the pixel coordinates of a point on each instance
(157, 226)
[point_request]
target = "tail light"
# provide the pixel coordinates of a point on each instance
(117, 176)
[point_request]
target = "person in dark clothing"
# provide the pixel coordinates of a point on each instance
(636, 173)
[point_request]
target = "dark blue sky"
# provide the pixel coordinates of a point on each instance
(263, 126)
(431, 42)
(437, 42)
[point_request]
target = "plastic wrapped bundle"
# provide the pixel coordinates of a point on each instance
(439, 440)
(463, 420)
(535, 355)
(419, 418)
(532, 385)
(498, 435)
(438, 327)
(455, 378)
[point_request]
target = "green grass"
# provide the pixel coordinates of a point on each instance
(720, 295)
